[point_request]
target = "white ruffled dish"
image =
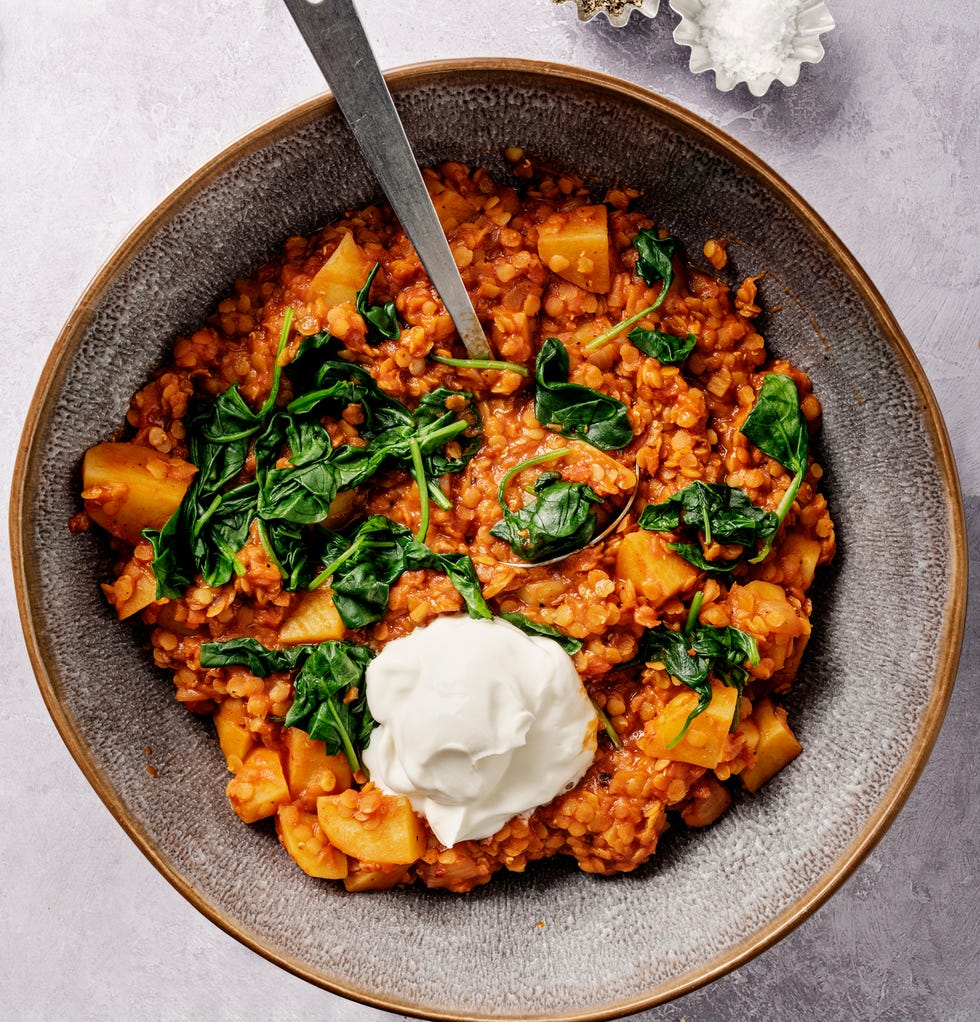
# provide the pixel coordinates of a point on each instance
(617, 11)
(752, 41)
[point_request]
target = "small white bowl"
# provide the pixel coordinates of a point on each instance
(617, 11)
(719, 33)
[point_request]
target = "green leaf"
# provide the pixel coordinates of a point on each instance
(691, 657)
(720, 512)
(654, 263)
(558, 521)
(250, 653)
(655, 259)
(437, 426)
(666, 348)
(382, 320)
(210, 526)
(367, 559)
(777, 427)
(568, 643)
(321, 706)
(694, 554)
(574, 410)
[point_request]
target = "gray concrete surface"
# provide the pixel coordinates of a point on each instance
(106, 105)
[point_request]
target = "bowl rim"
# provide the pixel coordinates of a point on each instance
(954, 613)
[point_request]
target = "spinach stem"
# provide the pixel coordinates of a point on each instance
(607, 726)
(331, 568)
(438, 497)
(618, 328)
(355, 763)
(538, 460)
(263, 532)
(287, 323)
(692, 614)
(418, 470)
(480, 363)
(781, 512)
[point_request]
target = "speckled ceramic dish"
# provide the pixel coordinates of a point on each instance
(554, 943)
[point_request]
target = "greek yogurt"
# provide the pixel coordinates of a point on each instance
(478, 723)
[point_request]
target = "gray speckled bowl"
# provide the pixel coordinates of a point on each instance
(554, 943)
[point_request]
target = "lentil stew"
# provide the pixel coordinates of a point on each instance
(585, 300)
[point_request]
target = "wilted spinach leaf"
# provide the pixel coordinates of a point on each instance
(320, 705)
(558, 521)
(382, 320)
(665, 348)
(654, 263)
(329, 671)
(690, 656)
(211, 524)
(722, 513)
(574, 410)
(366, 560)
(777, 427)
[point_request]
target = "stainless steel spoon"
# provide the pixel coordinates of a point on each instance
(333, 32)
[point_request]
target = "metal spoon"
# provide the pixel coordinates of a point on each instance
(334, 34)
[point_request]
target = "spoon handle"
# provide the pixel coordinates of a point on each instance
(333, 32)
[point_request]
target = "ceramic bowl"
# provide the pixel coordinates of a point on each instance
(554, 943)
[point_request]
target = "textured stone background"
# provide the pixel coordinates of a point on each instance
(106, 105)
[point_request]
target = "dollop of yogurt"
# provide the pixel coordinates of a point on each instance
(478, 723)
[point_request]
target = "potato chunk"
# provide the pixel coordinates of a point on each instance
(303, 838)
(575, 246)
(709, 799)
(127, 488)
(780, 626)
(375, 879)
(259, 786)
(777, 745)
(451, 208)
(234, 737)
(134, 589)
(342, 275)
(657, 573)
(315, 619)
(705, 740)
(309, 769)
(389, 831)
(808, 551)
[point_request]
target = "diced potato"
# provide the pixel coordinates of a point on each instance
(508, 325)
(709, 799)
(808, 551)
(705, 740)
(777, 745)
(375, 879)
(127, 488)
(392, 833)
(301, 835)
(234, 737)
(451, 208)
(780, 627)
(656, 572)
(308, 767)
(259, 786)
(134, 589)
(342, 509)
(575, 246)
(315, 619)
(342, 275)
